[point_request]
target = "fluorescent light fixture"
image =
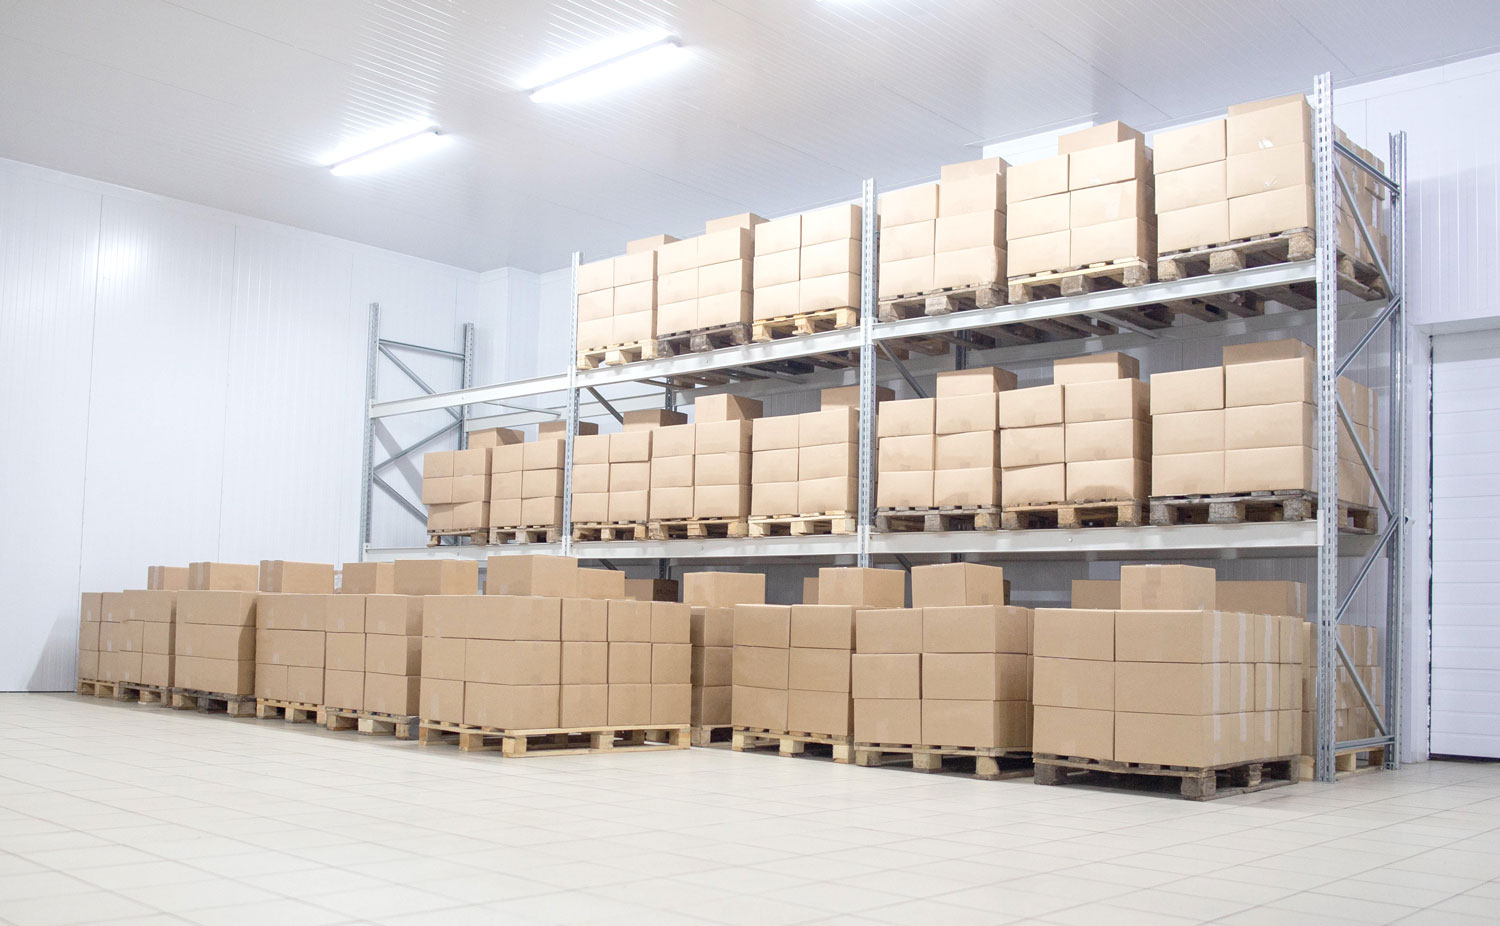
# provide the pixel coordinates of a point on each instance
(385, 148)
(604, 67)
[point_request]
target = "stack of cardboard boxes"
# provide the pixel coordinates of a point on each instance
(215, 644)
(952, 670)
(531, 477)
(1107, 427)
(808, 263)
(908, 238)
(292, 650)
(1251, 425)
(945, 235)
(721, 455)
(155, 610)
(120, 641)
(672, 454)
(612, 472)
(1033, 470)
(1168, 677)
(705, 282)
(1351, 719)
(966, 456)
(712, 598)
(809, 464)
(393, 655)
(1092, 203)
(368, 579)
(617, 297)
(90, 615)
(906, 430)
(456, 489)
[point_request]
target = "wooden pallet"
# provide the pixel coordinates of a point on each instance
(943, 301)
(1123, 513)
(701, 340)
(210, 702)
(616, 354)
(124, 691)
(368, 723)
(989, 763)
(480, 536)
(531, 534)
(1347, 763)
(557, 742)
(1079, 280)
(1296, 244)
(616, 530)
(290, 711)
(906, 520)
(1256, 506)
(788, 326)
(805, 525)
(1198, 784)
(791, 743)
(698, 528)
(710, 734)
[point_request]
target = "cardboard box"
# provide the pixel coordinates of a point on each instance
(950, 173)
(1024, 408)
(1090, 441)
(1270, 469)
(780, 433)
(966, 413)
(838, 397)
(830, 258)
(970, 450)
(1074, 633)
(1276, 123)
(903, 207)
(199, 673)
(224, 608)
(1041, 253)
(589, 478)
(368, 579)
(1130, 199)
(1260, 351)
(829, 495)
(732, 436)
(1033, 446)
(674, 503)
(435, 465)
(978, 486)
(762, 625)
(824, 462)
(671, 663)
(721, 469)
(555, 576)
(1093, 368)
(904, 489)
(1110, 241)
(1106, 400)
(512, 707)
(671, 704)
(440, 699)
(724, 407)
(776, 269)
(975, 677)
(969, 267)
(970, 230)
(1166, 588)
(1045, 177)
(712, 666)
(1096, 594)
(1182, 148)
(711, 626)
(826, 712)
(777, 300)
(1193, 227)
(906, 277)
(980, 381)
(759, 708)
(1285, 424)
(1187, 391)
(304, 578)
(907, 417)
(977, 723)
(1183, 688)
(813, 669)
(214, 641)
(587, 620)
(1200, 473)
(831, 223)
(1182, 635)
(584, 705)
(910, 454)
(1270, 382)
(888, 720)
(831, 426)
(711, 706)
(1272, 212)
(886, 675)
(957, 585)
(1191, 188)
(344, 651)
(887, 629)
(980, 193)
(1112, 163)
(166, 578)
(386, 654)
(769, 499)
(779, 235)
(724, 589)
(1188, 432)
(590, 506)
(1067, 731)
(1032, 485)
(629, 621)
(1269, 169)
(976, 629)
(1108, 133)
(229, 577)
(1263, 597)
(721, 501)
(629, 663)
(1178, 739)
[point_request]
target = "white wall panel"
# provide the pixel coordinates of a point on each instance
(48, 248)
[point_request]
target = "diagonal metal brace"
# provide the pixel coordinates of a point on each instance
(390, 490)
(1359, 685)
(1364, 458)
(412, 375)
(407, 451)
(1391, 308)
(1364, 231)
(605, 403)
(901, 368)
(1364, 569)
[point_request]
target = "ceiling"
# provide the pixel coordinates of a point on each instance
(781, 104)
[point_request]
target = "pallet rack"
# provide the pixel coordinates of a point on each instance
(745, 367)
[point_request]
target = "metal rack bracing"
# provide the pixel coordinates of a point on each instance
(566, 395)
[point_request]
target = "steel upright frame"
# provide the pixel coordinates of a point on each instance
(1336, 585)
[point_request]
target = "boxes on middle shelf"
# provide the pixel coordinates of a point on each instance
(526, 479)
(1251, 425)
(808, 263)
(612, 472)
(966, 446)
(721, 455)
(1093, 202)
(946, 235)
(809, 463)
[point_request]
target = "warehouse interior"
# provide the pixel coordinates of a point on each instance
(272, 274)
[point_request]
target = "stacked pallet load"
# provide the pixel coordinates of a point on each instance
(612, 477)
(1239, 191)
(617, 305)
(294, 648)
(526, 481)
(1086, 214)
(908, 241)
(1239, 441)
(214, 662)
(156, 612)
(966, 456)
(712, 598)
(1169, 684)
(90, 615)
(1077, 453)
(1352, 720)
(963, 653)
(721, 468)
(704, 285)
(391, 683)
(456, 491)
(672, 453)
(906, 447)
(968, 267)
(806, 468)
(532, 665)
(807, 272)
(791, 664)
(120, 641)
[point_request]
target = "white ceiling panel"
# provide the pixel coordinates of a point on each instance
(778, 105)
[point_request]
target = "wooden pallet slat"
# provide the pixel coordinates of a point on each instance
(1072, 515)
(574, 741)
(804, 525)
(1347, 763)
(611, 355)
(703, 735)
(1193, 783)
(527, 534)
(702, 340)
(787, 326)
(1128, 272)
(210, 702)
(943, 301)
(124, 691)
(1295, 244)
(478, 536)
(609, 530)
(956, 518)
(991, 763)
(290, 711)
(368, 723)
(698, 528)
(792, 743)
(1240, 508)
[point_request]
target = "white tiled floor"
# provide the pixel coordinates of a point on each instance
(123, 814)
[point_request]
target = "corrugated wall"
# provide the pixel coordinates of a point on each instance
(178, 383)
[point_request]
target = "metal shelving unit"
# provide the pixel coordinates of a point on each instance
(565, 395)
